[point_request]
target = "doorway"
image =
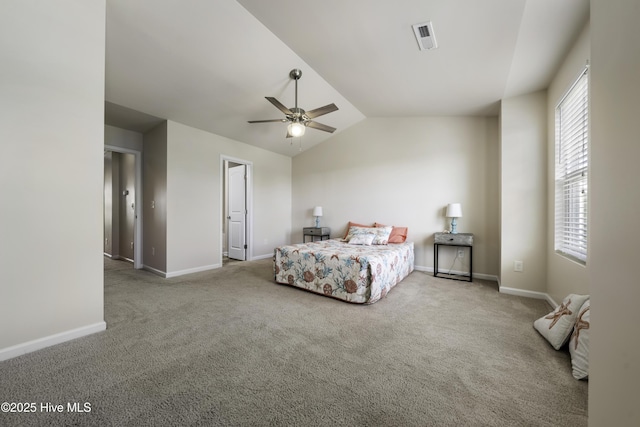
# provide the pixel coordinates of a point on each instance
(123, 204)
(237, 210)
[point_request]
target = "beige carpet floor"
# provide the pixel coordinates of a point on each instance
(230, 347)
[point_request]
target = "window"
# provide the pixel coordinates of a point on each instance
(572, 142)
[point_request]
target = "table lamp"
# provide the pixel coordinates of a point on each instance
(317, 212)
(454, 211)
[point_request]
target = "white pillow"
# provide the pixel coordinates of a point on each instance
(579, 343)
(557, 325)
(355, 230)
(380, 234)
(362, 239)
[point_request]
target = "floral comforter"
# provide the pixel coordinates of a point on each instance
(354, 273)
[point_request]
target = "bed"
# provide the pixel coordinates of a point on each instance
(355, 273)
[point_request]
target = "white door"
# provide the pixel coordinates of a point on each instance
(237, 212)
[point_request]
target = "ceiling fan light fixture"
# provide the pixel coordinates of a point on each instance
(299, 119)
(296, 129)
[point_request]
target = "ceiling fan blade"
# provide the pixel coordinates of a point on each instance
(321, 111)
(278, 105)
(268, 121)
(320, 126)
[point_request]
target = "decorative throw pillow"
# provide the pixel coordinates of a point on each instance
(362, 239)
(355, 230)
(398, 234)
(380, 235)
(557, 325)
(355, 224)
(579, 343)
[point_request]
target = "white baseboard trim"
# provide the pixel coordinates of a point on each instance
(502, 289)
(180, 272)
(262, 257)
(528, 294)
(154, 271)
(192, 270)
(483, 276)
(40, 343)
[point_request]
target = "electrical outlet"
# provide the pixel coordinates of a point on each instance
(518, 266)
(460, 253)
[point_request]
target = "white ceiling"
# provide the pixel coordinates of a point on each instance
(210, 63)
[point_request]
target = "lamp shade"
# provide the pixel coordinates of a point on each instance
(296, 129)
(317, 211)
(454, 210)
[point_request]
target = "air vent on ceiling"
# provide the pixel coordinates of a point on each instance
(424, 35)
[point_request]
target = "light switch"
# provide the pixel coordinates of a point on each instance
(518, 266)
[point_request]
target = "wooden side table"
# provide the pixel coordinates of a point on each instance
(314, 232)
(460, 240)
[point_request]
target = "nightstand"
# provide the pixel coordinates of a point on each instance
(314, 232)
(460, 240)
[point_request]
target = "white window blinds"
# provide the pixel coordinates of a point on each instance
(572, 138)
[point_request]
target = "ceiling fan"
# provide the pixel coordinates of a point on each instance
(299, 119)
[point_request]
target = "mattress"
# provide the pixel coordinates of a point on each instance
(353, 273)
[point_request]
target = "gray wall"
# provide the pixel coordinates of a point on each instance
(195, 198)
(183, 193)
(52, 110)
(154, 194)
(614, 206)
(404, 172)
(122, 138)
(523, 193)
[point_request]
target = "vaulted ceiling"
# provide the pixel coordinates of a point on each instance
(210, 64)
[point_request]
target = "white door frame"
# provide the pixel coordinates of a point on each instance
(249, 194)
(137, 236)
